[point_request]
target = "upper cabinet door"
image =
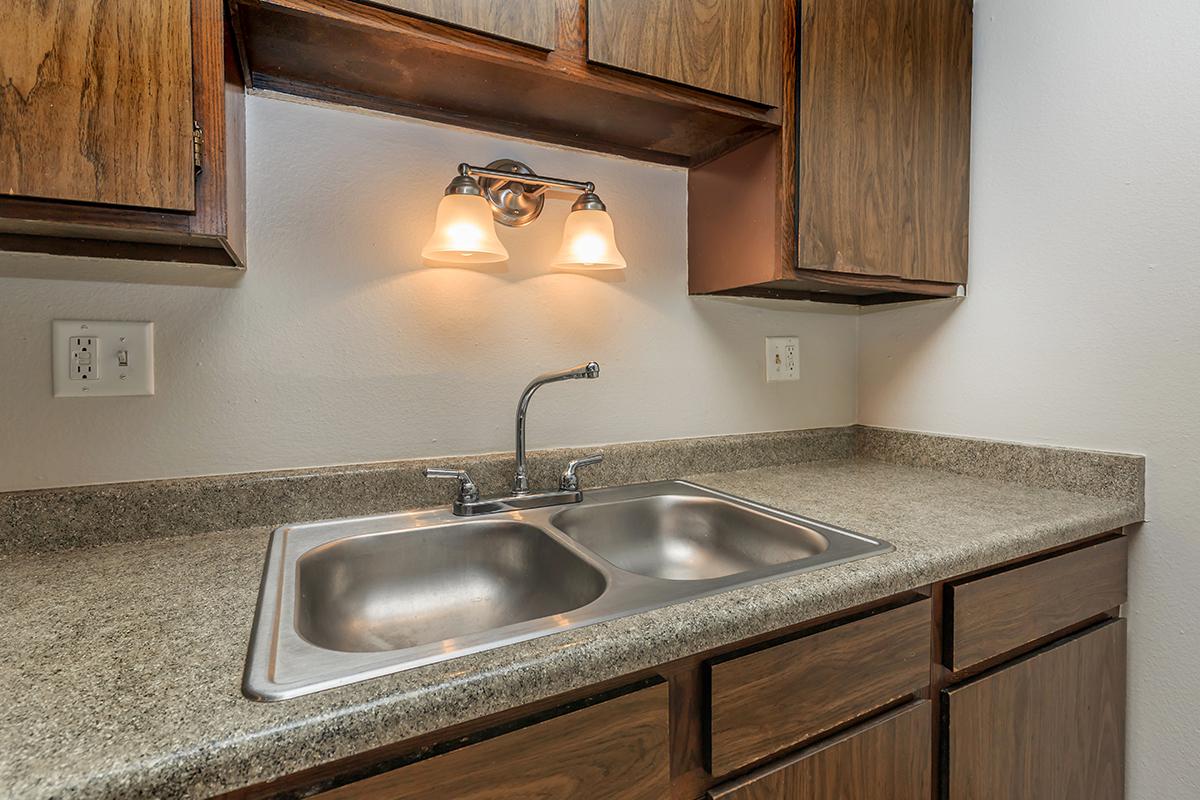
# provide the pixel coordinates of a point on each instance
(96, 102)
(733, 47)
(884, 137)
(526, 21)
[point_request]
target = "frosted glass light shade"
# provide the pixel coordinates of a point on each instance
(464, 233)
(588, 242)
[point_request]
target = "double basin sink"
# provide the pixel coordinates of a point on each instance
(347, 600)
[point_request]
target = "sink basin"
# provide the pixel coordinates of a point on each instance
(394, 591)
(680, 537)
(347, 600)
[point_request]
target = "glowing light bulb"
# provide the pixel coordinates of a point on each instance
(464, 233)
(588, 242)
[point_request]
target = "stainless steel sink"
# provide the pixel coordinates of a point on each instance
(687, 538)
(347, 600)
(401, 591)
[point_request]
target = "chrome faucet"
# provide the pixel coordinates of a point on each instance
(468, 501)
(589, 370)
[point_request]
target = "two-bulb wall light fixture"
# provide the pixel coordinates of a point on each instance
(512, 194)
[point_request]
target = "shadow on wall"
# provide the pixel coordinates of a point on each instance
(903, 335)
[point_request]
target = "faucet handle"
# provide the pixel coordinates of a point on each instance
(468, 492)
(569, 482)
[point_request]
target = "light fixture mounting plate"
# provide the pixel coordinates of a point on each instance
(514, 204)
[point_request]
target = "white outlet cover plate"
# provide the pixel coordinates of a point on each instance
(783, 355)
(111, 379)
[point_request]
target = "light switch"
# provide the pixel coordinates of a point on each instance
(102, 359)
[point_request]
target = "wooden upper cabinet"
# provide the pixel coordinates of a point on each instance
(868, 180)
(884, 137)
(529, 22)
(96, 102)
(1051, 726)
(121, 137)
(455, 61)
(733, 47)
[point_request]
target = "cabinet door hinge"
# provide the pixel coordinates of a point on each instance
(197, 144)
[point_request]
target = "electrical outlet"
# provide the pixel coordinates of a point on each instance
(783, 357)
(83, 359)
(102, 359)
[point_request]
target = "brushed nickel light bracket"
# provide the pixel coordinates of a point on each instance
(515, 192)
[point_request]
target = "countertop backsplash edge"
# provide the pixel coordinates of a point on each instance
(46, 520)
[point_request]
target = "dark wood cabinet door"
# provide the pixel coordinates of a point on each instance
(526, 21)
(614, 750)
(884, 759)
(734, 47)
(884, 138)
(1050, 726)
(96, 102)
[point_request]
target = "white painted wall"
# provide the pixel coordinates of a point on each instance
(1083, 322)
(340, 347)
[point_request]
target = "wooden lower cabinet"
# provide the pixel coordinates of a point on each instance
(614, 750)
(778, 697)
(1048, 727)
(885, 759)
(864, 704)
(997, 613)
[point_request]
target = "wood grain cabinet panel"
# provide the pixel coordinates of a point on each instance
(406, 64)
(526, 21)
(887, 757)
(780, 696)
(96, 102)
(728, 46)
(997, 613)
(885, 140)
(869, 174)
(122, 138)
(884, 137)
(1050, 726)
(614, 750)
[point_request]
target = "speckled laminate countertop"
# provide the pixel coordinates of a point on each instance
(121, 667)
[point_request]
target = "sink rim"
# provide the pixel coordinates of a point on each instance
(280, 664)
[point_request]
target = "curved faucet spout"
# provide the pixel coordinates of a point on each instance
(588, 369)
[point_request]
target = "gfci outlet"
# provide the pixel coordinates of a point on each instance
(102, 359)
(783, 355)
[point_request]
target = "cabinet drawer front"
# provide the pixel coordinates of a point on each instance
(775, 698)
(998, 613)
(614, 750)
(1050, 726)
(891, 751)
